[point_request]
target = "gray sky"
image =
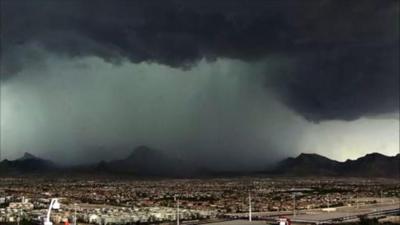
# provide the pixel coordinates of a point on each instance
(229, 86)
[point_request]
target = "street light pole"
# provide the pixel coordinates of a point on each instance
(19, 216)
(250, 216)
(54, 204)
(177, 210)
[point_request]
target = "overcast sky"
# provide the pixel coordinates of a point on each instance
(229, 84)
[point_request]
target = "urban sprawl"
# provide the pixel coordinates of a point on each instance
(197, 200)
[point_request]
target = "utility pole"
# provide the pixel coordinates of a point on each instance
(357, 201)
(294, 205)
(328, 202)
(250, 216)
(177, 210)
(280, 205)
(74, 213)
(19, 215)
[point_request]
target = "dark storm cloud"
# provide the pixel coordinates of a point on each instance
(342, 83)
(343, 59)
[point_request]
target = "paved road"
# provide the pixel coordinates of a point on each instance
(319, 216)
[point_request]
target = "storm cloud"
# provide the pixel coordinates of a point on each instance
(343, 54)
(207, 79)
(213, 115)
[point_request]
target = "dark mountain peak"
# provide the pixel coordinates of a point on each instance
(374, 155)
(27, 156)
(101, 166)
(143, 151)
(27, 164)
(307, 164)
(313, 158)
(371, 157)
(310, 155)
(370, 165)
(146, 161)
(373, 165)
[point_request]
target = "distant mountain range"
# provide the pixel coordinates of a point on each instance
(27, 164)
(148, 162)
(370, 165)
(145, 161)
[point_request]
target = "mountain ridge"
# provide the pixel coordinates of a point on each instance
(27, 164)
(370, 165)
(144, 161)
